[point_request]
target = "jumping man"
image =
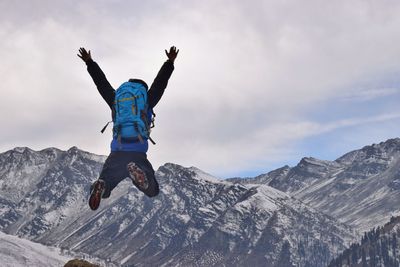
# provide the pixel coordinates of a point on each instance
(132, 113)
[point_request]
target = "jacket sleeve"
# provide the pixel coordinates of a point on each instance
(159, 84)
(103, 86)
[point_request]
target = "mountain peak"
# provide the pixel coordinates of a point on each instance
(205, 176)
(73, 149)
(20, 149)
(382, 151)
(314, 161)
(391, 144)
(188, 172)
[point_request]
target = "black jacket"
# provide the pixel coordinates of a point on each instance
(108, 92)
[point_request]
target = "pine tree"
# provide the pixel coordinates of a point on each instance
(284, 258)
(364, 239)
(394, 244)
(372, 256)
(364, 258)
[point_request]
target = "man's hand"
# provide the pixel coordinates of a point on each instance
(172, 54)
(84, 55)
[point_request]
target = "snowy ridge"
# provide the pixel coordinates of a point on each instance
(205, 176)
(361, 188)
(278, 218)
(196, 220)
(364, 192)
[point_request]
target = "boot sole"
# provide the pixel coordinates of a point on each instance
(95, 197)
(135, 171)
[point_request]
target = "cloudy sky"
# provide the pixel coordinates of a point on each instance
(257, 84)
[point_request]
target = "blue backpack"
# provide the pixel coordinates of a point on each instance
(132, 117)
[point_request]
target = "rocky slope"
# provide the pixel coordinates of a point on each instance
(361, 188)
(197, 220)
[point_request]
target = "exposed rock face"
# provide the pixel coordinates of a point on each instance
(197, 220)
(361, 188)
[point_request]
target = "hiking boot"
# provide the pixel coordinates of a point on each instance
(137, 176)
(96, 192)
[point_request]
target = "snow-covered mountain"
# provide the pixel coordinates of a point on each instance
(361, 188)
(39, 190)
(197, 220)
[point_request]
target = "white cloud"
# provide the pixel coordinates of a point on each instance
(246, 78)
(264, 147)
(370, 94)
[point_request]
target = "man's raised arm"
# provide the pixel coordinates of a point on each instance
(103, 86)
(161, 81)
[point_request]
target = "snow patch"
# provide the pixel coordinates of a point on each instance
(201, 175)
(17, 252)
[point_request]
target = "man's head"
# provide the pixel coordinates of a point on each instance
(140, 82)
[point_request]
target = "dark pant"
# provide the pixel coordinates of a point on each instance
(115, 170)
